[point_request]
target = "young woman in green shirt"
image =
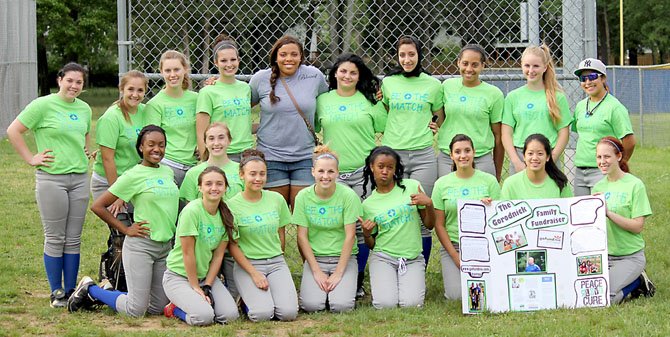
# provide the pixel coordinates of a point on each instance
(627, 209)
(197, 295)
(61, 123)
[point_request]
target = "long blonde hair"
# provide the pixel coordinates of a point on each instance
(551, 85)
(175, 55)
(122, 84)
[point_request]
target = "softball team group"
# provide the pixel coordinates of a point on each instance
(352, 201)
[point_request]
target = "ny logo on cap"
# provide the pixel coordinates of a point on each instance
(587, 63)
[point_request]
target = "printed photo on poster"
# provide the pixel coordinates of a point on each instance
(509, 239)
(529, 292)
(589, 265)
(531, 261)
(477, 294)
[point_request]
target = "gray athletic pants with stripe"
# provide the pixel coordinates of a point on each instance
(623, 271)
(340, 299)
(396, 284)
(198, 310)
(144, 264)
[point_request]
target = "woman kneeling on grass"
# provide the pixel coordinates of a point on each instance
(261, 273)
(393, 215)
(205, 226)
(150, 187)
(326, 215)
(627, 208)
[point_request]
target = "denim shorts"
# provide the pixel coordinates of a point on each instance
(298, 173)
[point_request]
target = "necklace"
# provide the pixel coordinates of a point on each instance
(589, 113)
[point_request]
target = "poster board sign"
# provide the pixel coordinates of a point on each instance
(526, 255)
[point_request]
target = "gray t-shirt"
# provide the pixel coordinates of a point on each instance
(282, 133)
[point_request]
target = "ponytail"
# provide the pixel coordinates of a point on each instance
(227, 217)
(551, 85)
(122, 84)
(617, 145)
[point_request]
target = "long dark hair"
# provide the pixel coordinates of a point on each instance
(226, 215)
(408, 39)
(146, 130)
(368, 83)
(367, 169)
(617, 145)
(284, 40)
(552, 170)
(460, 138)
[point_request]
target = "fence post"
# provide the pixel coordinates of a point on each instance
(122, 26)
(641, 106)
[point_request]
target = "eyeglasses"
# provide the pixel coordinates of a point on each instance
(590, 77)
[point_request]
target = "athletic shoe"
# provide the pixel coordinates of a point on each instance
(58, 298)
(360, 293)
(168, 311)
(648, 288)
(80, 298)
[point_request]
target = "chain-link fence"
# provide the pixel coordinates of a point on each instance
(369, 28)
(18, 60)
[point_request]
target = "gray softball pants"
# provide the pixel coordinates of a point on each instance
(623, 271)
(451, 275)
(198, 310)
(342, 298)
(279, 300)
(483, 163)
(397, 282)
(144, 264)
(62, 200)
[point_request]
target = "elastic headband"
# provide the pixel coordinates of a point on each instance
(326, 155)
(250, 158)
(613, 143)
(224, 45)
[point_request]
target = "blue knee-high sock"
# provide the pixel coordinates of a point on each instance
(629, 288)
(427, 243)
(362, 257)
(54, 268)
(70, 270)
(180, 313)
(105, 296)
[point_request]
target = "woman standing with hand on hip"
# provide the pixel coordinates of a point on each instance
(261, 274)
(173, 109)
(474, 108)
(150, 187)
(412, 97)
(597, 116)
(227, 101)
(61, 123)
(463, 183)
(540, 106)
(326, 215)
(287, 94)
(627, 207)
(393, 214)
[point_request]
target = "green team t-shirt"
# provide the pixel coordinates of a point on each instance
(189, 187)
(231, 104)
(450, 188)
(609, 119)
(470, 111)
(154, 195)
(628, 198)
(349, 125)
(326, 219)
(61, 127)
(411, 102)
(177, 117)
(114, 132)
(257, 224)
(208, 231)
(398, 223)
(518, 187)
(527, 112)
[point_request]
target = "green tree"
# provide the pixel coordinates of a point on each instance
(78, 31)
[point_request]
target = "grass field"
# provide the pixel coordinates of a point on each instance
(24, 290)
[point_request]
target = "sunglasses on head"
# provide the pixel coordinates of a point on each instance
(590, 77)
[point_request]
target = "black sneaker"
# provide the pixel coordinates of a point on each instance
(80, 298)
(646, 286)
(58, 298)
(360, 293)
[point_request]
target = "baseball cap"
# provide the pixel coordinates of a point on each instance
(591, 64)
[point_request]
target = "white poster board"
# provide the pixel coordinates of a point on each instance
(526, 255)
